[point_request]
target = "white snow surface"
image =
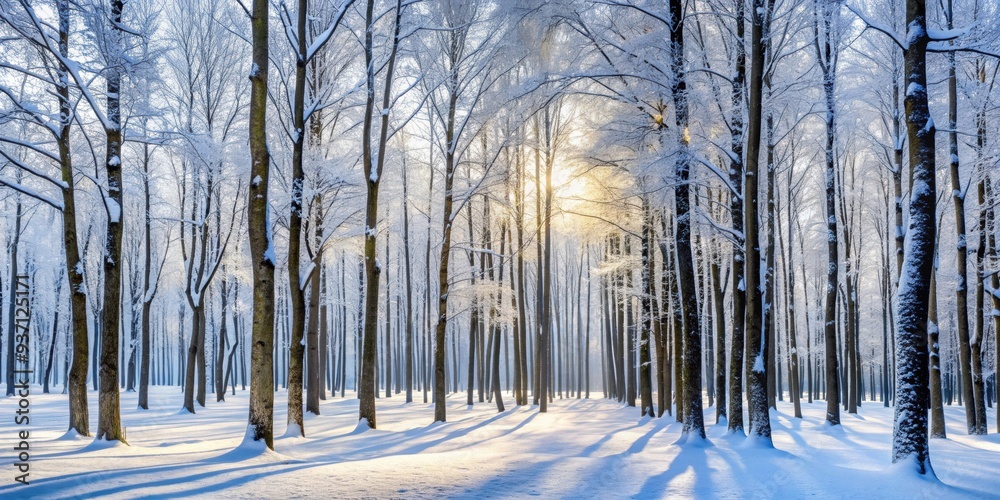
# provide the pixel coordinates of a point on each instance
(580, 449)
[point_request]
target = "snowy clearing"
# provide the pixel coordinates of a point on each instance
(580, 449)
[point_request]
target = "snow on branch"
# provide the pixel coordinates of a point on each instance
(21, 188)
(946, 35)
(877, 26)
(28, 107)
(21, 165)
(940, 40)
(325, 36)
(29, 145)
(947, 47)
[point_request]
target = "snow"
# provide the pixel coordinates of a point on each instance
(915, 88)
(114, 210)
(304, 274)
(57, 204)
(256, 181)
(914, 32)
(944, 35)
(115, 161)
(580, 448)
(928, 126)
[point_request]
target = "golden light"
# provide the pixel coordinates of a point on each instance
(568, 187)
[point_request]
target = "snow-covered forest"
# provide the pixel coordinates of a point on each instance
(327, 237)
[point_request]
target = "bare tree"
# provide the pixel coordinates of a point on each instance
(260, 424)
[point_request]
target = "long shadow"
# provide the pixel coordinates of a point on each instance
(643, 440)
(689, 457)
(386, 439)
(456, 434)
(591, 449)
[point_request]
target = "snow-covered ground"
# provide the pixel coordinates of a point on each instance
(580, 449)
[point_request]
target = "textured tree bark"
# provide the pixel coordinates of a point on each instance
(736, 199)
(646, 321)
(260, 421)
(760, 423)
(972, 380)
(373, 176)
(446, 223)
(827, 56)
(693, 419)
(910, 441)
(295, 280)
(109, 414)
(79, 420)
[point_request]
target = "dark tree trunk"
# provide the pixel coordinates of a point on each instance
(760, 423)
(827, 55)
(912, 394)
(693, 418)
(260, 422)
(646, 320)
(109, 420)
(736, 362)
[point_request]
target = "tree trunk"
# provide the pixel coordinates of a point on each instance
(260, 422)
(912, 394)
(316, 331)
(972, 384)
(937, 411)
(446, 225)
(79, 420)
(11, 304)
(373, 172)
(109, 419)
(736, 368)
(828, 60)
(995, 285)
(409, 288)
(52, 339)
(760, 423)
(693, 418)
(646, 320)
(794, 383)
(149, 285)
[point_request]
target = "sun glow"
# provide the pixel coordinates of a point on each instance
(568, 185)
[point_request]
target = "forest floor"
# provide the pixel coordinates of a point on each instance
(580, 449)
